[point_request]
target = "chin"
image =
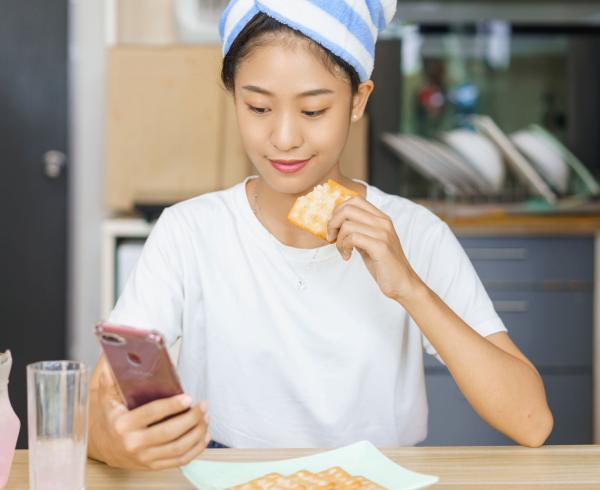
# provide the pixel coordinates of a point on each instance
(293, 184)
(301, 186)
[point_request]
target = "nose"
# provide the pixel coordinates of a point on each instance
(286, 133)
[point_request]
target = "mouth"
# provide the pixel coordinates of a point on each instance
(289, 166)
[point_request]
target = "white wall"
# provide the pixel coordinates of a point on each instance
(86, 100)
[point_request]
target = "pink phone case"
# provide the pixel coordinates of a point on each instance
(140, 363)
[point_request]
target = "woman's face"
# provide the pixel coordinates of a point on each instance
(291, 109)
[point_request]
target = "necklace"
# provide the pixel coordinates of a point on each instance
(300, 280)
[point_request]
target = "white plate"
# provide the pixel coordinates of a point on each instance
(361, 458)
(461, 168)
(405, 149)
(579, 169)
(518, 162)
(427, 152)
(547, 160)
(480, 154)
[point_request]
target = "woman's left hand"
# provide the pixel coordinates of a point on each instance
(357, 224)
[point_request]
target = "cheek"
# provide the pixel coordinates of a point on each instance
(330, 134)
(252, 134)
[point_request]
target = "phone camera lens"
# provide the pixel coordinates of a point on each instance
(134, 358)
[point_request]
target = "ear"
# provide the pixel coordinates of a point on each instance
(359, 100)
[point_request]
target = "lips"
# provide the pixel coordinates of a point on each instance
(289, 166)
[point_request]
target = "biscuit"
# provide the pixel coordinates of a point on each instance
(313, 211)
(289, 483)
(264, 482)
(313, 481)
(342, 478)
(334, 478)
(366, 484)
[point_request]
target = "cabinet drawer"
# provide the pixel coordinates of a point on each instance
(452, 421)
(531, 260)
(551, 328)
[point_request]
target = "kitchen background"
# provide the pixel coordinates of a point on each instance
(486, 111)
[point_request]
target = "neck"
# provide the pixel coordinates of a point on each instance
(272, 207)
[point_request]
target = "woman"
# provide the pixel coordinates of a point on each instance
(291, 340)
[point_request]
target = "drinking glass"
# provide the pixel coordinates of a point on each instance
(57, 415)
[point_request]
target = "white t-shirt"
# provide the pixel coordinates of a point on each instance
(281, 365)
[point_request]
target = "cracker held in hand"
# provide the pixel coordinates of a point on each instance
(313, 211)
(330, 479)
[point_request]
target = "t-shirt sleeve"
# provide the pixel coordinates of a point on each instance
(448, 271)
(153, 294)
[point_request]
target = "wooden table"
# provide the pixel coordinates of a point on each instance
(550, 467)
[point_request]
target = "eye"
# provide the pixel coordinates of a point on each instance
(262, 110)
(257, 110)
(314, 113)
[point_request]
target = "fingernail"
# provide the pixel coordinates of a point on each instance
(203, 406)
(207, 438)
(329, 236)
(185, 400)
(206, 418)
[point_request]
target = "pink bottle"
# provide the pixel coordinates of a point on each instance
(9, 422)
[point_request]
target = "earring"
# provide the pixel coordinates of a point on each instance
(354, 116)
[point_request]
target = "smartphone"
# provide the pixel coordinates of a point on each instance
(140, 363)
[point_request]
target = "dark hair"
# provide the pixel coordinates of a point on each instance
(253, 35)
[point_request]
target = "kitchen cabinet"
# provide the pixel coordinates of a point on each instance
(543, 289)
(452, 421)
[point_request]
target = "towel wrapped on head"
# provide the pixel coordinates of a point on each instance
(347, 28)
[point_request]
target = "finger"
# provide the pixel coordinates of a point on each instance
(362, 242)
(362, 203)
(352, 213)
(107, 378)
(344, 246)
(110, 397)
(157, 410)
(181, 460)
(175, 448)
(172, 429)
(366, 205)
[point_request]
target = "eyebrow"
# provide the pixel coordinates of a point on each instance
(308, 93)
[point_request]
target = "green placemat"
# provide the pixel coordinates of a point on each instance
(361, 458)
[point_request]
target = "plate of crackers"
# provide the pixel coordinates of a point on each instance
(360, 466)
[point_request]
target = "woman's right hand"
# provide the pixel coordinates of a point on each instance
(141, 438)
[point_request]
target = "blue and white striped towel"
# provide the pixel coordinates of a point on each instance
(347, 28)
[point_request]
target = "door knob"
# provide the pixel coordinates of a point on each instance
(54, 163)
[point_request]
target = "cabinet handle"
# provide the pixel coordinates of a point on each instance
(497, 253)
(516, 306)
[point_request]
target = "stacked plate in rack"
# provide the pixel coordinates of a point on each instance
(453, 170)
(469, 163)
